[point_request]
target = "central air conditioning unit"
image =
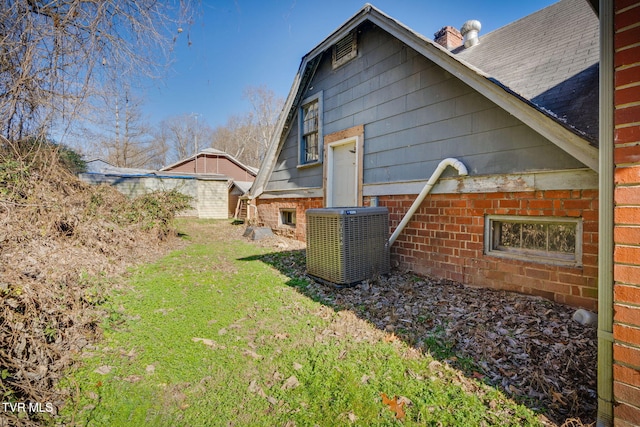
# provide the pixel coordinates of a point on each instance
(347, 245)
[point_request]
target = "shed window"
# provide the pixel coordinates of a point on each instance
(310, 126)
(538, 239)
(345, 50)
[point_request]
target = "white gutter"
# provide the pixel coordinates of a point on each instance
(455, 163)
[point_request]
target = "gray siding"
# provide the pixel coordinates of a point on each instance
(415, 114)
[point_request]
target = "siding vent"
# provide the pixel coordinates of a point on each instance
(345, 50)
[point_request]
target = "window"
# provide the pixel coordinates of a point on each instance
(288, 217)
(345, 50)
(537, 239)
(311, 131)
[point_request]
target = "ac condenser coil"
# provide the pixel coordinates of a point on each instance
(347, 245)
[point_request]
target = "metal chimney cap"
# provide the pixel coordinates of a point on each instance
(469, 31)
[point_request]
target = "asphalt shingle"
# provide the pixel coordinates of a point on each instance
(550, 58)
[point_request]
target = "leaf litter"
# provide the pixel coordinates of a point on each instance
(527, 346)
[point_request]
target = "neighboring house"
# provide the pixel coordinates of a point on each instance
(216, 181)
(375, 107)
(98, 165)
(211, 160)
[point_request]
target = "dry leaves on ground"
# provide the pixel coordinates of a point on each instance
(527, 346)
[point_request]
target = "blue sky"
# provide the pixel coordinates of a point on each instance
(241, 43)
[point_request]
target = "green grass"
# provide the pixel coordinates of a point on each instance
(263, 335)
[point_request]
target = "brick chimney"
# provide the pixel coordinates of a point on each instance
(448, 37)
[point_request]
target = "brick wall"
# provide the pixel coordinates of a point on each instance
(269, 214)
(626, 327)
(446, 239)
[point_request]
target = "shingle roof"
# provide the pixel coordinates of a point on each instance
(549, 58)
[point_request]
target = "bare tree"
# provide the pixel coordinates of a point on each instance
(122, 136)
(266, 108)
(235, 137)
(247, 136)
(53, 52)
(184, 135)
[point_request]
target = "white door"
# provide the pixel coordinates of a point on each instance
(342, 188)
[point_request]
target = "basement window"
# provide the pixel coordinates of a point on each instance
(548, 240)
(288, 217)
(345, 50)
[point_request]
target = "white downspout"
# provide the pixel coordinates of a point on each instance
(462, 170)
(606, 220)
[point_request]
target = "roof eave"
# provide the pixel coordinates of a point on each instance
(272, 151)
(269, 160)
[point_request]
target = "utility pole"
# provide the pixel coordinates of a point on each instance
(195, 133)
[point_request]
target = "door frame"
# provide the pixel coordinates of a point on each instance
(354, 134)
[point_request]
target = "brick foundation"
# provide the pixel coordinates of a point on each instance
(445, 239)
(269, 215)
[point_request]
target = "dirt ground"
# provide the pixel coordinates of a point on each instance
(528, 347)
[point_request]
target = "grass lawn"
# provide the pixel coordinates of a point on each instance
(212, 336)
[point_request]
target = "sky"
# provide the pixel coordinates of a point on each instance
(236, 44)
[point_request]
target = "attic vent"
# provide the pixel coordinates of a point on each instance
(345, 50)
(469, 31)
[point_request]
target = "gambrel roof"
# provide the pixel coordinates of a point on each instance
(545, 82)
(215, 152)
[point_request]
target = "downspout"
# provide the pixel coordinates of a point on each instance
(455, 163)
(605, 222)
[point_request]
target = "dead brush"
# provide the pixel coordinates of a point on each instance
(574, 422)
(60, 239)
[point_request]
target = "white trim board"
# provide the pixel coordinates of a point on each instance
(579, 179)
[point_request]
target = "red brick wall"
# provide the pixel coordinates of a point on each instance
(446, 239)
(269, 214)
(626, 327)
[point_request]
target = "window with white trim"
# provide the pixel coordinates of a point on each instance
(288, 217)
(310, 130)
(548, 240)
